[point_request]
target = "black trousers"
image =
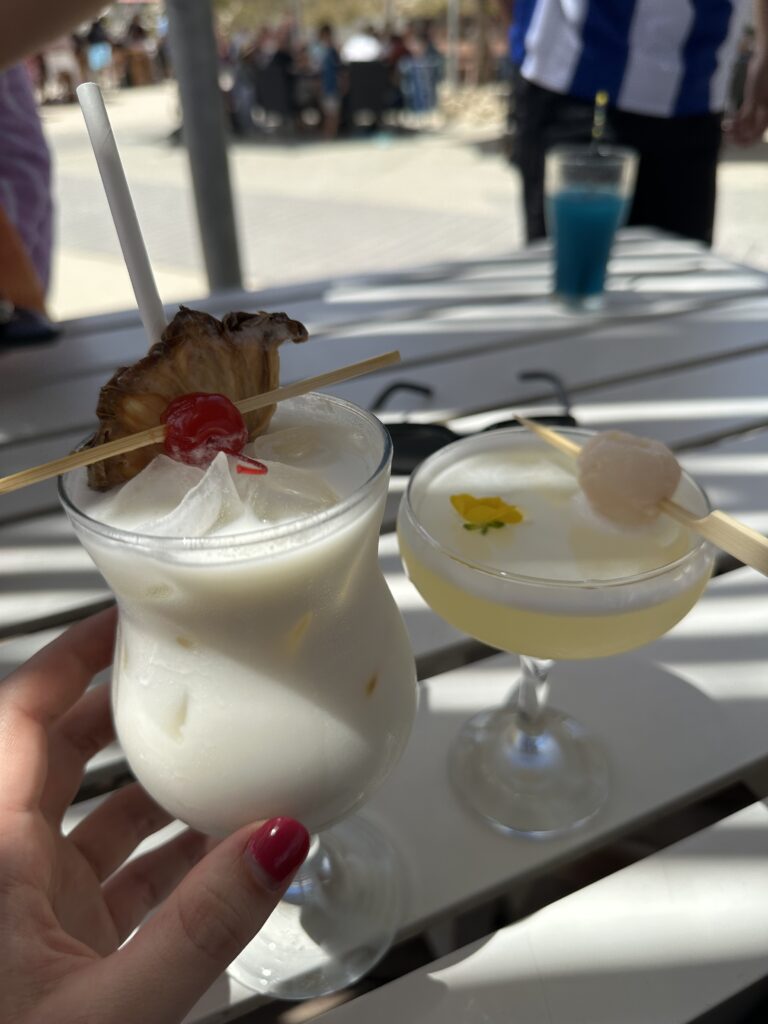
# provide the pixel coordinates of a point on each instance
(677, 173)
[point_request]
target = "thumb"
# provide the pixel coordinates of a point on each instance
(209, 918)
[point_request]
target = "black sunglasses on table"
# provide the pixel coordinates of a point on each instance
(414, 442)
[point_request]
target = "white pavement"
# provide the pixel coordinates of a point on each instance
(314, 209)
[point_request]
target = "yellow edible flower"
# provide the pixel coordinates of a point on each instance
(485, 513)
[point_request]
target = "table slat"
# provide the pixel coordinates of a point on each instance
(664, 940)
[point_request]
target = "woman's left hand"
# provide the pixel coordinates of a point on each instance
(68, 902)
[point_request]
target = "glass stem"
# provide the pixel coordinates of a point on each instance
(308, 880)
(529, 697)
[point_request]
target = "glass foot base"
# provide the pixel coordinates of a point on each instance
(582, 303)
(334, 923)
(538, 786)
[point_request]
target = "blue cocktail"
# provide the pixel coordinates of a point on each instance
(583, 224)
(588, 194)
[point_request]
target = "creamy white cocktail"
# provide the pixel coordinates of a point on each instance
(262, 667)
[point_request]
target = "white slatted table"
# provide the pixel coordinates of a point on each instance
(680, 353)
(666, 939)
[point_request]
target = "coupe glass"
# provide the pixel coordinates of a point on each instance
(527, 768)
(269, 673)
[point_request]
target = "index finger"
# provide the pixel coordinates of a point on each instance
(46, 686)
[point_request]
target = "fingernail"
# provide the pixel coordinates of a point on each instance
(277, 849)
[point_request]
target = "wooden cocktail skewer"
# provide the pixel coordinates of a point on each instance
(718, 527)
(156, 434)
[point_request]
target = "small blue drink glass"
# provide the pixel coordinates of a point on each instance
(588, 193)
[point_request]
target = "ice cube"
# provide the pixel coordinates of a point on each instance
(292, 444)
(338, 453)
(288, 492)
(152, 493)
(211, 504)
(313, 446)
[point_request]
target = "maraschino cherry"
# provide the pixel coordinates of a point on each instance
(199, 425)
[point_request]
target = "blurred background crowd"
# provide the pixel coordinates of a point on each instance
(380, 120)
(289, 74)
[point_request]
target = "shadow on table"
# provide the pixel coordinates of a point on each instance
(454, 990)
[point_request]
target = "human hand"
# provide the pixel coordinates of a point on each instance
(67, 903)
(751, 119)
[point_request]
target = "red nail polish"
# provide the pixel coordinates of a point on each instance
(277, 849)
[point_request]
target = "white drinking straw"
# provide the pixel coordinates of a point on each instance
(123, 212)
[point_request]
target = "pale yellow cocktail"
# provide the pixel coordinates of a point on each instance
(561, 583)
(498, 538)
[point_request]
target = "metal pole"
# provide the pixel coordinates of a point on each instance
(196, 66)
(452, 45)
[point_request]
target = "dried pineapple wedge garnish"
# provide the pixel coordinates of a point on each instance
(236, 357)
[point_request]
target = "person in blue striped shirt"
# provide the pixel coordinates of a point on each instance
(665, 65)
